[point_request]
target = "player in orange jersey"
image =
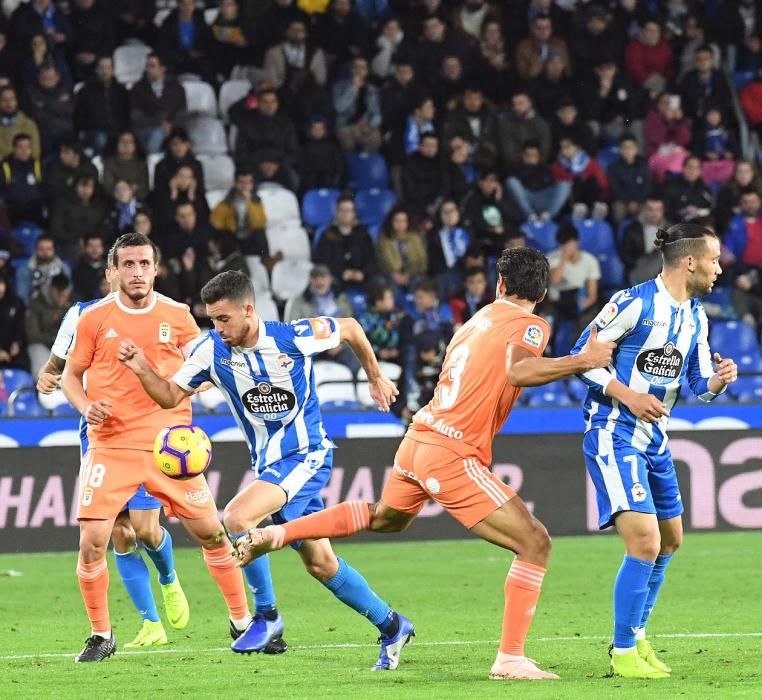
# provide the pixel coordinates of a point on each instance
(445, 453)
(122, 425)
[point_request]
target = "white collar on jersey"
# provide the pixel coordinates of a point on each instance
(128, 310)
(663, 288)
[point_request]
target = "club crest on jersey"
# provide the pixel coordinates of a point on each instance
(660, 366)
(269, 402)
(284, 361)
(533, 336)
(164, 332)
(321, 328)
(607, 315)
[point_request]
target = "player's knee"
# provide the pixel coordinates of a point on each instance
(149, 532)
(382, 521)
(672, 546)
(123, 537)
(541, 544)
(644, 546)
(322, 566)
(91, 550)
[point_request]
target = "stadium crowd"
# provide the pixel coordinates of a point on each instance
(372, 158)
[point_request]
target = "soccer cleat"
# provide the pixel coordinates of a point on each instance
(630, 665)
(647, 653)
(258, 541)
(260, 633)
(151, 634)
(391, 647)
(175, 604)
(520, 668)
(97, 649)
(276, 646)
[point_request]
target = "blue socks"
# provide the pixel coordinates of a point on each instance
(134, 574)
(261, 583)
(353, 590)
(654, 585)
(163, 558)
(630, 591)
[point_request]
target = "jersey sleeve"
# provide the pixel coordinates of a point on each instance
(532, 334)
(84, 340)
(316, 335)
(700, 368)
(188, 334)
(65, 336)
(620, 316)
(197, 367)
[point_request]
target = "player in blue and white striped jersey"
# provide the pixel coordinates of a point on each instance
(661, 331)
(265, 370)
(138, 520)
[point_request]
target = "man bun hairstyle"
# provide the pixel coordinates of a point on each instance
(525, 272)
(681, 240)
(231, 285)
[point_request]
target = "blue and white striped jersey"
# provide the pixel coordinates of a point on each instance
(270, 387)
(660, 341)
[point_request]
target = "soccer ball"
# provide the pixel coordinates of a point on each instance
(182, 451)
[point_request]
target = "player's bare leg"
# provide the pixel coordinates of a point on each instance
(513, 527)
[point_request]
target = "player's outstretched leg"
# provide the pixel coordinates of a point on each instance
(92, 572)
(134, 574)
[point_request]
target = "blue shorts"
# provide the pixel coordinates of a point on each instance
(142, 500)
(627, 478)
(302, 477)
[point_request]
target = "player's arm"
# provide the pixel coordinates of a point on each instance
(167, 394)
(95, 412)
(49, 376)
(524, 368)
(705, 381)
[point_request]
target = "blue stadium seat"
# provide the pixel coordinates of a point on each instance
(367, 171)
(340, 406)
(595, 236)
(65, 409)
(733, 338)
(359, 301)
(319, 207)
(3, 409)
(612, 271)
(26, 405)
(16, 379)
(318, 235)
(623, 224)
(541, 234)
(564, 337)
(718, 304)
(373, 205)
(606, 156)
(741, 78)
(577, 389)
(27, 233)
(553, 394)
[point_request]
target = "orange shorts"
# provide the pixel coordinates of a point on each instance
(464, 487)
(109, 477)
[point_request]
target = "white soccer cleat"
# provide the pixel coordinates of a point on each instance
(519, 669)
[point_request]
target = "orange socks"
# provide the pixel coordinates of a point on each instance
(93, 583)
(522, 591)
(341, 520)
(229, 580)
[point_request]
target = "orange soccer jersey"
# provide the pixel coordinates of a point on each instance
(473, 397)
(161, 330)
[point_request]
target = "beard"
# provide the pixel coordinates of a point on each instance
(136, 294)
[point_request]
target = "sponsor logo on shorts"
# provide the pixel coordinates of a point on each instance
(607, 315)
(533, 336)
(164, 332)
(407, 474)
(198, 497)
(233, 363)
(432, 486)
(269, 402)
(660, 366)
(638, 493)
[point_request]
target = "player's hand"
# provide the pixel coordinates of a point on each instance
(97, 412)
(726, 370)
(383, 392)
(47, 382)
(597, 353)
(131, 356)
(647, 407)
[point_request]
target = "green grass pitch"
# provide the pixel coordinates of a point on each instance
(707, 624)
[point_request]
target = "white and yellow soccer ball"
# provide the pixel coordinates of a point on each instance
(182, 451)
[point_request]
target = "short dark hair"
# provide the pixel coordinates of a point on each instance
(60, 282)
(130, 240)
(566, 232)
(473, 271)
(531, 143)
(525, 272)
(231, 285)
(681, 240)
(426, 284)
(244, 171)
(21, 137)
(627, 137)
(376, 293)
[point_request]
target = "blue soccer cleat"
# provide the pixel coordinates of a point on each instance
(391, 647)
(259, 635)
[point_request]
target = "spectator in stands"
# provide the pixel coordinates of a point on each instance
(533, 187)
(521, 124)
(184, 41)
(321, 161)
(705, 87)
(648, 58)
(424, 179)
(94, 35)
(552, 86)
(187, 232)
(716, 145)
(134, 19)
(39, 17)
(12, 341)
(40, 269)
(44, 316)
(101, 107)
(346, 247)
(738, 26)
(358, 109)
(474, 295)
(692, 38)
(13, 121)
(742, 258)
(124, 209)
(449, 84)
(51, 104)
(76, 215)
(596, 41)
(567, 123)
(381, 323)
(177, 152)
(401, 250)
(125, 160)
(42, 52)
(389, 40)
(589, 186)
(629, 180)
(494, 66)
(751, 100)
(745, 177)
(667, 136)
(241, 213)
(533, 52)
(62, 173)
(474, 121)
(182, 188)
(9, 57)
(342, 33)
(574, 275)
(142, 223)
(265, 132)
(419, 122)
(21, 187)
(222, 255)
(485, 213)
(642, 260)
(435, 44)
(398, 97)
(157, 102)
(232, 38)
(447, 243)
(88, 272)
(461, 172)
(686, 196)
